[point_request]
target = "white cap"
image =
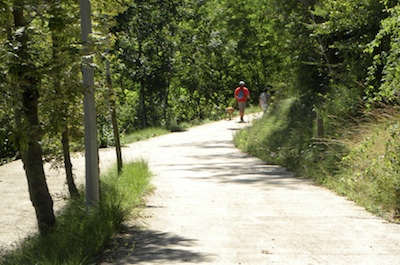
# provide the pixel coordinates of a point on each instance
(241, 83)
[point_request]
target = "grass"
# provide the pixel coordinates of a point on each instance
(80, 234)
(359, 158)
(275, 138)
(370, 171)
(143, 135)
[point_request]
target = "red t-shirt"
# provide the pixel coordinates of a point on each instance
(241, 94)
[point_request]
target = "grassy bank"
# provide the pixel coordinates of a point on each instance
(80, 234)
(358, 158)
(369, 172)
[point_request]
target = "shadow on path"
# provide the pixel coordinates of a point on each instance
(135, 245)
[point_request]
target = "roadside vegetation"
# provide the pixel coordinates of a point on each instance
(359, 160)
(142, 135)
(80, 233)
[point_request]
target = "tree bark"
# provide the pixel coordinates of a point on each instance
(29, 128)
(73, 191)
(114, 119)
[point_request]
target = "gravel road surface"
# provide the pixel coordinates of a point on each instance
(215, 205)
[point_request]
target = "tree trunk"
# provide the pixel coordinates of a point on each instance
(38, 190)
(73, 191)
(143, 104)
(165, 102)
(56, 26)
(114, 120)
(29, 128)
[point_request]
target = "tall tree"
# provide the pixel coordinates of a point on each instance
(27, 120)
(346, 28)
(145, 33)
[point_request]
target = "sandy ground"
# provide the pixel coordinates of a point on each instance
(216, 205)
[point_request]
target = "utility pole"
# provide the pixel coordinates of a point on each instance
(91, 149)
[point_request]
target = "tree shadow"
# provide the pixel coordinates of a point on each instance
(237, 168)
(135, 245)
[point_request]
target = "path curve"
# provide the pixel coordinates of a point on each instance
(216, 205)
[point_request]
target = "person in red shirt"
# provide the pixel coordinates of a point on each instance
(242, 94)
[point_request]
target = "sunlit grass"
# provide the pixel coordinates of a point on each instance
(80, 233)
(143, 135)
(360, 161)
(370, 172)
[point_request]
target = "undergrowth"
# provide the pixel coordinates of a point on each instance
(81, 233)
(359, 157)
(370, 171)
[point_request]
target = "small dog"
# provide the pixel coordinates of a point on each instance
(229, 111)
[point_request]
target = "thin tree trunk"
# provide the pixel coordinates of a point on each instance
(29, 127)
(114, 120)
(143, 104)
(165, 102)
(56, 26)
(73, 191)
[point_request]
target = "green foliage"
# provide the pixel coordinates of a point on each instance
(283, 136)
(8, 150)
(386, 49)
(81, 234)
(145, 35)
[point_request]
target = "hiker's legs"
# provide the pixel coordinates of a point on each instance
(242, 106)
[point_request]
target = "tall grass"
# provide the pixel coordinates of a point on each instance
(81, 233)
(370, 172)
(359, 158)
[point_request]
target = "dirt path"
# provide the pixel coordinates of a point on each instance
(216, 205)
